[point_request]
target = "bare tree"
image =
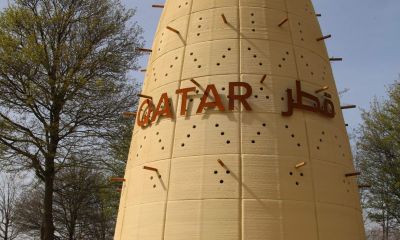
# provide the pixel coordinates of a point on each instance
(9, 193)
(85, 205)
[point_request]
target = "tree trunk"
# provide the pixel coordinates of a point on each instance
(47, 231)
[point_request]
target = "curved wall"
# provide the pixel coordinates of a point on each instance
(259, 194)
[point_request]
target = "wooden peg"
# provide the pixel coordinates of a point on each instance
(352, 174)
(129, 114)
(117, 179)
(364, 186)
(283, 22)
(221, 162)
(324, 37)
(150, 169)
(144, 50)
(119, 190)
(318, 15)
(335, 59)
(327, 95)
(263, 78)
(302, 164)
(157, 6)
(224, 18)
(173, 30)
(348, 106)
(324, 88)
(145, 96)
(196, 83)
(143, 70)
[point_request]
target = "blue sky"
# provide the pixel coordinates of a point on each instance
(366, 33)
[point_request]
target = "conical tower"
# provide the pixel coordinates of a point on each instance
(239, 134)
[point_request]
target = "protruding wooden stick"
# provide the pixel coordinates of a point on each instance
(117, 179)
(364, 186)
(196, 83)
(318, 15)
(263, 78)
(283, 22)
(150, 169)
(324, 37)
(299, 165)
(221, 162)
(157, 6)
(335, 59)
(348, 106)
(119, 190)
(129, 114)
(145, 96)
(324, 88)
(143, 70)
(144, 50)
(327, 95)
(352, 174)
(224, 18)
(173, 30)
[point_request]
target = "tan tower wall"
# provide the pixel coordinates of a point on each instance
(258, 194)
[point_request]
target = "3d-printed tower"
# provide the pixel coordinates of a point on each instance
(280, 171)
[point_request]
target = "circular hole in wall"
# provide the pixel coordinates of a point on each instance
(215, 172)
(221, 181)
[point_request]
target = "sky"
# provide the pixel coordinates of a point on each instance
(366, 33)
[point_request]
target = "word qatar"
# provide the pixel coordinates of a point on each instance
(326, 109)
(148, 113)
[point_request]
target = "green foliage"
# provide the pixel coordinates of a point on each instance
(378, 156)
